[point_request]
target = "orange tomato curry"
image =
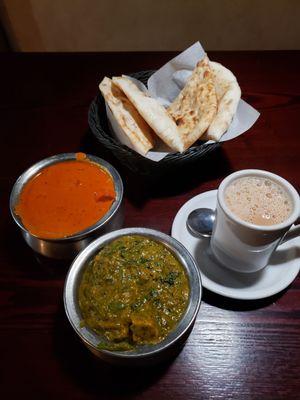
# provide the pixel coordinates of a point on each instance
(65, 198)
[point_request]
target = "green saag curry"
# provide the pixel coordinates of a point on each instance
(133, 292)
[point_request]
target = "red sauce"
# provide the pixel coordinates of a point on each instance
(65, 198)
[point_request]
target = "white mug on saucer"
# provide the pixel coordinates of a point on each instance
(243, 246)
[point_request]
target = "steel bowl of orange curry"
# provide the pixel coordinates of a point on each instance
(64, 202)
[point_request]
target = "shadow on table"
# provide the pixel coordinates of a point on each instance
(179, 180)
(92, 374)
(227, 303)
(23, 258)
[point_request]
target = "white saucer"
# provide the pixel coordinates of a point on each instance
(281, 271)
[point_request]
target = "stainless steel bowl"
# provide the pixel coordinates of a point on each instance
(68, 247)
(143, 354)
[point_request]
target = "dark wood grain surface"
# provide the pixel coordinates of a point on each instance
(238, 350)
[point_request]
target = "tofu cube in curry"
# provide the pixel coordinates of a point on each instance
(144, 330)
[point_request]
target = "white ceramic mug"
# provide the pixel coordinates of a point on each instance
(242, 246)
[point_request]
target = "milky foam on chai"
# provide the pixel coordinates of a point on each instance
(258, 200)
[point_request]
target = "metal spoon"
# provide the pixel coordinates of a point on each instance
(200, 222)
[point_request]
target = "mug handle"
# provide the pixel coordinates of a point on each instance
(291, 234)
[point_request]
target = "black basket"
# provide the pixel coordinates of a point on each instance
(99, 126)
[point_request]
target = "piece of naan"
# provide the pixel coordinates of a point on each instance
(136, 129)
(228, 95)
(153, 113)
(195, 107)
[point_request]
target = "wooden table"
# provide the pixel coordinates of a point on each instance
(239, 350)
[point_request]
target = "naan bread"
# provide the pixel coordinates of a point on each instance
(196, 105)
(153, 113)
(139, 133)
(228, 95)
